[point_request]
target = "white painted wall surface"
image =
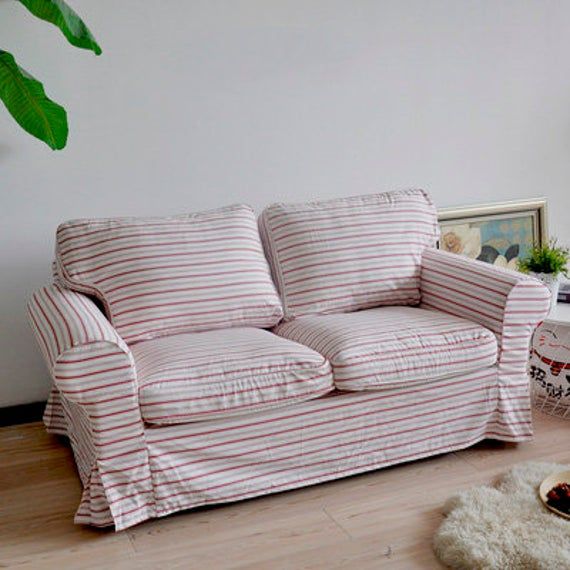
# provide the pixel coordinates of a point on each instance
(197, 104)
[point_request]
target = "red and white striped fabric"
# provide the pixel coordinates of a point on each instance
(338, 435)
(94, 372)
(159, 276)
(348, 254)
(200, 376)
(54, 418)
(508, 303)
(132, 472)
(391, 346)
(320, 440)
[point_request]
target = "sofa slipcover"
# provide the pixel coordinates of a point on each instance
(348, 254)
(95, 375)
(390, 346)
(506, 302)
(133, 471)
(200, 376)
(340, 434)
(160, 276)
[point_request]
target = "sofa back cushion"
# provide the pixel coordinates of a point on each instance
(158, 276)
(348, 254)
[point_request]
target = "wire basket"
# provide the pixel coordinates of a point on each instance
(549, 369)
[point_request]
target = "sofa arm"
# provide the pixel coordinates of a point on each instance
(93, 368)
(510, 304)
(85, 355)
(499, 299)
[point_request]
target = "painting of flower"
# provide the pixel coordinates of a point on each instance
(462, 239)
(497, 234)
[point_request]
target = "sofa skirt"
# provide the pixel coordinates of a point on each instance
(334, 436)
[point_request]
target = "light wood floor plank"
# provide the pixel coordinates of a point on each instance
(383, 519)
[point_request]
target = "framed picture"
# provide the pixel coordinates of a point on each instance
(494, 233)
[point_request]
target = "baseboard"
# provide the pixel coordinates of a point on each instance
(22, 414)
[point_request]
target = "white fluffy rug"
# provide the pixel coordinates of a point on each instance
(505, 527)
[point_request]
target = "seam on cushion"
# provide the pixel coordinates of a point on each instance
(435, 224)
(325, 372)
(269, 366)
(364, 199)
(314, 367)
(256, 370)
(344, 385)
(268, 266)
(423, 365)
(78, 222)
(414, 368)
(238, 359)
(268, 253)
(482, 344)
(273, 403)
(266, 224)
(155, 334)
(425, 334)
(481, 340)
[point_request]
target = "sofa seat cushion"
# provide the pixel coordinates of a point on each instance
(390, 346)
(167, 275)
(198, 376)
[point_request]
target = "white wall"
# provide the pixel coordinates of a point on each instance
(196, 104)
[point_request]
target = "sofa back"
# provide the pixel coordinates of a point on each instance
(159, 276)
(350, 253)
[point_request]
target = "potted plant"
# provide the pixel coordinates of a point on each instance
(547, 263)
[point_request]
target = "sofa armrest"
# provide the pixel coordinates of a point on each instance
(510, 304)
(93, 368)
(86, 357)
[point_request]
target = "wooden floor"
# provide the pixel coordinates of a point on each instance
(383, 519)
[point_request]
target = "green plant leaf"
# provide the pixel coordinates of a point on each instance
(27, 102)
(57, 12)
(546, 258)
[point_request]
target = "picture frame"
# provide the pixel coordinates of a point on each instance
(497, 233)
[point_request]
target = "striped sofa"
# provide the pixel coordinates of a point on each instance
(213, 357)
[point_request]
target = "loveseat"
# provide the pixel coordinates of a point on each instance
(208, 358)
